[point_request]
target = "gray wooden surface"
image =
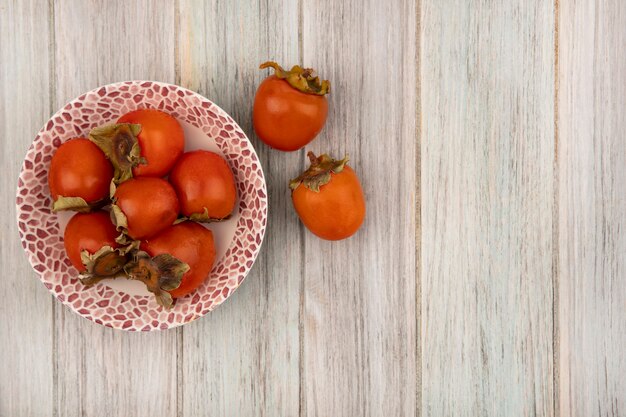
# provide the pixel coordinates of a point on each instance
(592, 208)
(489, 278)
(487, 208)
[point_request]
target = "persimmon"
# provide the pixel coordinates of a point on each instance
(190, 243)
(161, 141)
(144, 206)
(143, 143)
(328, 198)
(79, 176)
(205, 186)
(290, 107)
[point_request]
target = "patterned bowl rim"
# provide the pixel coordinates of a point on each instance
(166, 319)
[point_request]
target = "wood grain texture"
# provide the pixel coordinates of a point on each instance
(498, 212)
(592, 208)
(101, 371)
(26, 308)
(487, 201)
(243, 359)
(359, 310)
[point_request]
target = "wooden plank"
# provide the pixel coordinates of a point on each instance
(487, 76)
(243, 358)
(26, 309)
(101, 371)
(359, 307)
(592, 208)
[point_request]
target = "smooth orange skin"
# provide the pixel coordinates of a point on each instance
(161, 139)
(204, 179)
(337, 211)
(285, 118)
(150, 205)
(80, 169)
(188, 242)
(90, 232)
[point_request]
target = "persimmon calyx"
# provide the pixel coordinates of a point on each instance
(118, 218)
(318, 174)
(161, 274)
(302, 79)
(78, 204)
(205, 218)
(105, 263)
(119, 144)
(201, 218)
(120, 221)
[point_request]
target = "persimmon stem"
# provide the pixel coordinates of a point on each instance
(319, 173)
(302, 79)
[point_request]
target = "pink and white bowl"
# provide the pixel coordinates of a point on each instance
(120, 303)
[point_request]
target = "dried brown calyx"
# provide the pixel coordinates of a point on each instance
(105, 263)
(302, 79)
(319, 172)
(203, 217)
(119, 144)
(78, 204)
(161, 274)
(118, 218)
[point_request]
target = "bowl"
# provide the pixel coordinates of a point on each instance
(121, 303)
